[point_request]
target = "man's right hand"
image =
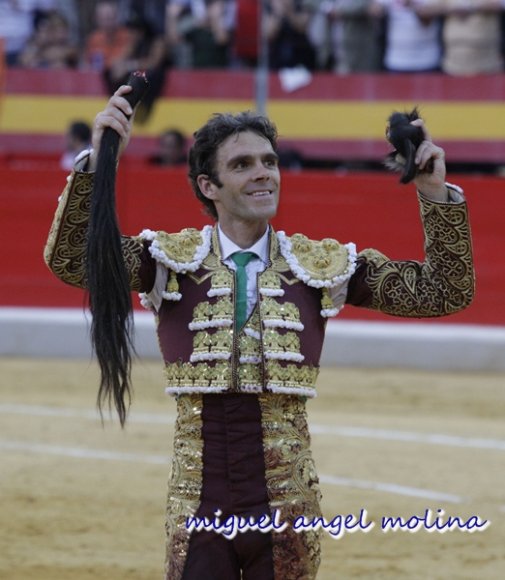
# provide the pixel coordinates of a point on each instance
(117, 115)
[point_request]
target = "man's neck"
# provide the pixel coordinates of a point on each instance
(243, 236)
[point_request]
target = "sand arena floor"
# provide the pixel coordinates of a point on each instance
(82, 501)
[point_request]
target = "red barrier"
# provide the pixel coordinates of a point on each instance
(372, 210)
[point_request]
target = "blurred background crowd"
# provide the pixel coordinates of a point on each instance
(115, 37)
(457, 37)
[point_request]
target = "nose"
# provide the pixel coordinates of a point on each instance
(261, 172)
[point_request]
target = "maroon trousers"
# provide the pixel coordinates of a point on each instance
(233, 482)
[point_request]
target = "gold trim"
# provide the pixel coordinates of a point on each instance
(292, 484)
(185, 482)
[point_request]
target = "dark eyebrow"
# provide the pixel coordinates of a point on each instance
(271, 156)
(234, 160)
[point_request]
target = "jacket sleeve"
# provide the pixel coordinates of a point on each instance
(442, 284)
(65, 250)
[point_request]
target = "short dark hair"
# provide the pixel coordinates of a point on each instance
(80, 130)
(179, 136)
(202, 155)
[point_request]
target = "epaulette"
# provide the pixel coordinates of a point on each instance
(320, 264)
(183, 251)
(374, 256)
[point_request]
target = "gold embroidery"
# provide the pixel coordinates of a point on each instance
(326, 301)
(249, 346)
(202, 312)
(222, 280)
(172, 284)
(291, 479)
(249, 374)
(222, 308)
(275, 342)
(322, 260)
(270, 280)
(199, 374)
(443, 284)
(220, 375)
(292, 484)
(219, 342)
(212, 262)
(65, 251)
(254, 323)
(258, 349)
(66, 246)
(205, 312)
(291, 375)
(181, 246)
(277, 261)
(273, 310)
(185, 484)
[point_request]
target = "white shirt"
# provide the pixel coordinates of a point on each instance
(411, 44)
(253, 268)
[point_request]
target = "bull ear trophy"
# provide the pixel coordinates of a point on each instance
(107, 277)
(405, 138)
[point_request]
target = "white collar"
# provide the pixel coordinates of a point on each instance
(228, 247)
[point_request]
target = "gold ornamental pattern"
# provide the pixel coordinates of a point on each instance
(201, 376)
(320, 259)
(181, 246)
(292, 484)
(185, 484)
(65, 251)
(442, 284)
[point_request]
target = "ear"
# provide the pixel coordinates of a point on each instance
(206, 186)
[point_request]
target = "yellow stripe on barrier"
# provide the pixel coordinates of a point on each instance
(295, 119)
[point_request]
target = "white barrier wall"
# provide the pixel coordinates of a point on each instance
(46, 332)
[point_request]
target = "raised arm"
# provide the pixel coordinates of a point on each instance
(444, 282)
(65, 250)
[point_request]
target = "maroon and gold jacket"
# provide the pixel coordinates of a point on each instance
(277, 351)
(279, 348)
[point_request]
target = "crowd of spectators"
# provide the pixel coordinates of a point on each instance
(458, 37)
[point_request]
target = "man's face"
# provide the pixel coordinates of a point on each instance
(247, 167)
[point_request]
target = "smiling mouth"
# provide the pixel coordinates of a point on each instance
(264, 193)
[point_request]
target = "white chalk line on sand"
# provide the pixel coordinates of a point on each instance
(315, 429)
(391, 488)
(80, 452)
(165, 419)
(86, 453)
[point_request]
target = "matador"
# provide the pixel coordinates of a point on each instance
(241, 443)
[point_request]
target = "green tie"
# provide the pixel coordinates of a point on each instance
(241, 259)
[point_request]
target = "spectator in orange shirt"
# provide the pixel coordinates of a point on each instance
(147, 51)
(110, 40)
